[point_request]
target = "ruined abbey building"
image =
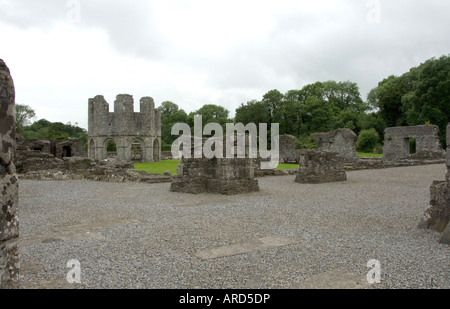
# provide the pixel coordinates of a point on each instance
(124, 134)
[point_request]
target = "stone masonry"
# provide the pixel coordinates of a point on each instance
(9, 186)
(437, 217)
(228, 176)
(289, 151)
(341, 141)
(136, 135)
(320, 167)
(397, 143)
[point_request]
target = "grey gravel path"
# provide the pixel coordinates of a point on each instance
(135, 235)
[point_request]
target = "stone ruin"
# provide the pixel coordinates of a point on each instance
(289, 151)
(437, 217)
(398, 141)
(136, 136)
(320, 167)
(228, 176)
(341, 141)
(36, 155)
(58, 148)
(9, 185)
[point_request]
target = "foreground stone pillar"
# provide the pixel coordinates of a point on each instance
(9, 186)
(320, 167)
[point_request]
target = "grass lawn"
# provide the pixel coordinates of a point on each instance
(171, 165)
(370, 155)
(158, 167)
(287, 166)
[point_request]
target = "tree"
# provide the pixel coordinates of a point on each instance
(253, 112)
(387, 98)
(210, 114)
(368, 140)
(170, 115)
(318, 115)
(24, 115)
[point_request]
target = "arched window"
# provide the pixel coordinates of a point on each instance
(111, 149)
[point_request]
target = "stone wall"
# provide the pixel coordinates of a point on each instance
(9, 186)
(288, 149)
(320, 167)
(397, 143)
(437, 216)
(217, 175)
(341, 141)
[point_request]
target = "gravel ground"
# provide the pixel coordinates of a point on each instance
(135, 235)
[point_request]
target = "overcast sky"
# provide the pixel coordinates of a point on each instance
(196, 52)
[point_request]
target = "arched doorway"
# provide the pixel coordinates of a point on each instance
(156, 151)
(110, 148)
(137, 150)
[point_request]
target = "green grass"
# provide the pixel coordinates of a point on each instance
(370, 155)
(171, 165)
(158, 167)
(287, 166)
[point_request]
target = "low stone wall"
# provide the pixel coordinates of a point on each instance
(109, 170)
(320, 167)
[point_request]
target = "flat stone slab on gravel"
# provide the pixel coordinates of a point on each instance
(335, 279)
(246, 247)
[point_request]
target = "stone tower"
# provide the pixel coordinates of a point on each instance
(136, 136)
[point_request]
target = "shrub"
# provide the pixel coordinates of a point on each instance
(368, 140)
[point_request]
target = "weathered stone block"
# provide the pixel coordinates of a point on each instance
(320, 167)
(341, 141)
(216, 175)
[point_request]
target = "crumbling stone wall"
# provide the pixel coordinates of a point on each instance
(341, 141)
(127, 129)
(320, 167)
(397, 143)
(36, 155)
(217, 175)
(9, 186)
(288, 149)
(437, 217)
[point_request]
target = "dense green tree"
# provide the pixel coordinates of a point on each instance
(318, 115)
(44, 129)
(24, 116)
(170, 115)
(368, 140)
(210, 114)
(253, 112)
(387, 98)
